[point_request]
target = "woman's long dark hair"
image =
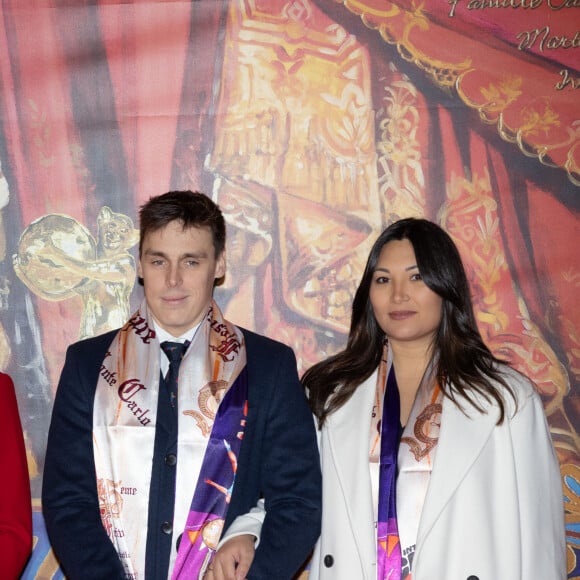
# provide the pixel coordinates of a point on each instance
(464, 363)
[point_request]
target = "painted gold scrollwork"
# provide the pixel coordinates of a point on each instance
(395, 27)
(400, 172)
(470, 216)
(298, 120)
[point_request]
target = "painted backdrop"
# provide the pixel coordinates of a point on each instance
(314, 124)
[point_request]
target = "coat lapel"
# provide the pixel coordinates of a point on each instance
(348, 438)
(462, 436)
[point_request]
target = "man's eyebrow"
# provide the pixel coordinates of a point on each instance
(196, 255)
(150, 252)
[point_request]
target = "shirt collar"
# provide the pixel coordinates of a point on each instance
(163, 335)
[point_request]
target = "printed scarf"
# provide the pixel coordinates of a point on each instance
(415, 460)
(388, 544)
(405, 469)
(124, 422)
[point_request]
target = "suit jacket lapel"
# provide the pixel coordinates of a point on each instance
(461, 438)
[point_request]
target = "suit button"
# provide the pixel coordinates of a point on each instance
(328, 561)
(472, 577)
(167, 527)
(171, 459)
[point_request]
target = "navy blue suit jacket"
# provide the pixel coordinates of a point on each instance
(278, 460)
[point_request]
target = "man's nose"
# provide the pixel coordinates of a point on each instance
(173, 276)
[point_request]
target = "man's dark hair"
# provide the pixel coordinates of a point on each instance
(192, 208)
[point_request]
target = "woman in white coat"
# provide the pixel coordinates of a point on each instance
(436, 457)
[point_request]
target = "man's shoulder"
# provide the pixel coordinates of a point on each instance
(265, 353)
(94, 345)
(256, 340)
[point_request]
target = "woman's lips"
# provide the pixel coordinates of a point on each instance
(401, 314)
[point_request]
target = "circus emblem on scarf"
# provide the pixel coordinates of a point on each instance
(110, 502)
(210, 533)
(426, 431)
(208, 400)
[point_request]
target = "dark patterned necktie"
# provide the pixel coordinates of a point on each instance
(174, 352)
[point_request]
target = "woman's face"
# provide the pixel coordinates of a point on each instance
(406, 309)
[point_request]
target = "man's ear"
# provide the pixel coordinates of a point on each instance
(220, 269)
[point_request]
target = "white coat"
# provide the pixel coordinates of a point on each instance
(494, 507)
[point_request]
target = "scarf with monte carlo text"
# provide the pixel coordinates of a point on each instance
(405, 469)
(124, 423)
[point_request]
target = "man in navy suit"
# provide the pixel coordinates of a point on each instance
(167, 433)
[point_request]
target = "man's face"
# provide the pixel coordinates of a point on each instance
(179, 268)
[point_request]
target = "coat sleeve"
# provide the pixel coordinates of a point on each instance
(540, 496)
(291, 481)
(246, 524)
(69, 492)
(15, 504)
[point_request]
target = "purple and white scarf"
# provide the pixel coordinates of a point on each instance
(405, 469)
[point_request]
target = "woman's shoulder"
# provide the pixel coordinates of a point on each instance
(515, 389)
(516, 379)
(522, 388)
